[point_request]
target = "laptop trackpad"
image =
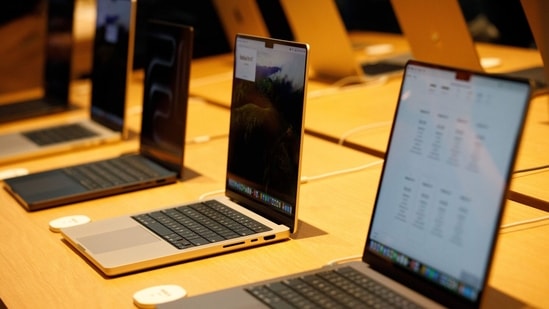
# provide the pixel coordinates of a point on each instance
(116, 240)
(40, 187)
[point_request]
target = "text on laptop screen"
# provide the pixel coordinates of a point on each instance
(266, 123)
(110, 61)
(445, 175)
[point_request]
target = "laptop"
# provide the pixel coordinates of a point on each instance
(160, 157)
(240, 16)
(334, 57)
(444, 37)
(438, 208)
(260, 204)
(35, 63)
(110, 79)
(540, 29)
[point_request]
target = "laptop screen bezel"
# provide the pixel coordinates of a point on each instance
(401, 274)
(263, 209)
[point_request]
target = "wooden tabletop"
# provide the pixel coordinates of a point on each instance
(334, 216)
(531, 187)
(39, 270)
(35, 259)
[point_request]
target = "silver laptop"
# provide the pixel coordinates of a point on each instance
(539, 25)
(438, 208)
(240, 16)
(162, 136)
(443, 37)
(263, 170)
(319, 23)
(35, 60)
(110, 79)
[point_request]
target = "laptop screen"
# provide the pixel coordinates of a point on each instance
(112, 61)
(167, 68)
(266, 126)
(445, 177)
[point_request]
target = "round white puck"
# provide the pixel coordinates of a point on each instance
(379, 49)
(57, 224)
(490, 62)
(160, 294)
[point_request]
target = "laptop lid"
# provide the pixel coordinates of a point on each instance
(444, 182)
(539, 25)
(36, 60)
(240, 16)
(167, 75)
(323, 29)
(266, 126)
(444, 38)
(441, 37)
(112, 62)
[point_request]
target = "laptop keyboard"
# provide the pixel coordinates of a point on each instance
(340, 288)
(112, 172)
(199, 224)
(58, 134)
(27, 109)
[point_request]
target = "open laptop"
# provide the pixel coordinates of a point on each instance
(162, 138)
(438, 208)
(240, 16)
(110, 79)
(262, 182)
(38, 56)
(443, 37)
(319, 23)
(539, 25)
